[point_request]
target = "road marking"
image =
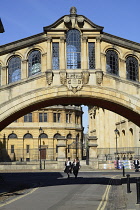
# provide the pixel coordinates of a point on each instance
(15, 199)
(103, 203)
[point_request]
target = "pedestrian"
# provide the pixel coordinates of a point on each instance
(76, 167)
(68, 166)
(136, 164)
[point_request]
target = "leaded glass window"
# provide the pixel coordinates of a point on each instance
(112, 62)
(91, 55)
(55, 55)
(34, 62)
(132, 68)
(73, 41)
(14, 69)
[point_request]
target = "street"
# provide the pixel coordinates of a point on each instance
(53, 191)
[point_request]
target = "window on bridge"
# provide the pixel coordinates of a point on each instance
(34, 63)
(112, 62)
(132, 68)
(55, 55)
(91, 55)
(14, 69)
(73, 41)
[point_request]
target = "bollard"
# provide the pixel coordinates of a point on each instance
(123, 171)
(138, 189)
(128, 183)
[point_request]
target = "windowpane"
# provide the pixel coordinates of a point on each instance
(73, 41)
(132, 68)
(14, 69)
(91, 55)
(42, 117)
(55, 55)
(28, 117)
(12, 149)
(34, 62)
(112, 62)
(27, 148)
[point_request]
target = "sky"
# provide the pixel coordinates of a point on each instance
(22, 19)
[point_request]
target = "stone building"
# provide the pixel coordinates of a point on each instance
(73, 61)
(104, 124)
(22, 139)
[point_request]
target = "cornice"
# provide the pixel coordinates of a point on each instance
(112, 39)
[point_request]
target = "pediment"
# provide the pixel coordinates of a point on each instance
(73, 20)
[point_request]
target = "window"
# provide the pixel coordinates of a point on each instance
(12, 149)
(77, 119)
(27, 148)
(91, 55)
(132, 68)
(34, 62)
(43, 135)
(55, 55)
(42, 117)
(12, 136)
(73, 41)
(56, 117)
(68, 118)
(14, 69)
(27, 136)
(112, 62)
(28, 117)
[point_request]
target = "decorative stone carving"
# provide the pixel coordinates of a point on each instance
(85, 77)
(99, 77)
(75, 81)
(49, 77)
(63, 79)
(72, 19)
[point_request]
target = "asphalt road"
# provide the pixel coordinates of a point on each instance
(53, 191)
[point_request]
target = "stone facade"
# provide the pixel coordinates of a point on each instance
(102, 124)
(47, 128)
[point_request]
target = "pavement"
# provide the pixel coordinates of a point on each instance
(121, 195)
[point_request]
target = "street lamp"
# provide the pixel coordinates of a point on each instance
(40, 131)
(116, 132)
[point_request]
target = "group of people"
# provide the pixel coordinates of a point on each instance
(72, 167)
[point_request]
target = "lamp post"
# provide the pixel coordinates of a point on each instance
(40, 131)
(116, 132)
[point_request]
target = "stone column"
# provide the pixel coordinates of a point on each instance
(98, 53)
(24, 72)
(4, 74)
(61, 145)
(49, 56)
(93, 161)
(62, 54)
(43, 62)
(84, 62)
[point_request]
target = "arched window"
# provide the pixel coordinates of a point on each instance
(132, 68)
(34, 62)
(112, 62)
(14, 69)
(12, 136)
(57, 135)
(69, 136)
(43, 135)
(73, 41)
(28, 136)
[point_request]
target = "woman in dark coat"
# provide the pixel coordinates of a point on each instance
(68, 167)
(76, 167)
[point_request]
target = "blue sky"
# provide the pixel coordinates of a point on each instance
(26, 18)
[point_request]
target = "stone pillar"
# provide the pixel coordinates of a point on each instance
(44, 62)
(98, 53)
(84, 62)
(49, 56)
(62, 54)
(24, 72)
(92, 143)
(4, 74)
(61, 145)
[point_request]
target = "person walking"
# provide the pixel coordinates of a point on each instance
(68, 167)
(136, 164)
(76, 167)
